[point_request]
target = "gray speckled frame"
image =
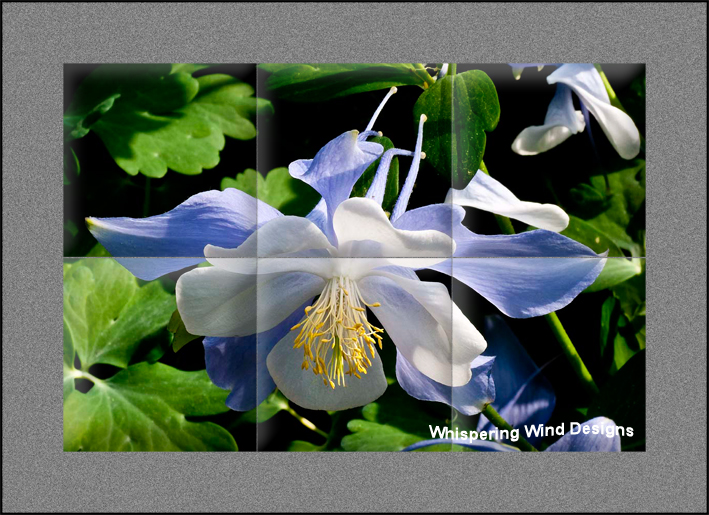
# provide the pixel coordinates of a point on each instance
(39, 38)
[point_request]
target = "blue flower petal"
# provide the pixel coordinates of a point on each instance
(437, 217)
(523, 395)
(529, 281)
(581, 442)
(378, 187)
(221, 218)
(531, 244)
(526, 287)
(152, 268)
(319, 215)
(469, 399)
(239, 363)
(403, 200)
(335, 170)
(478, 445)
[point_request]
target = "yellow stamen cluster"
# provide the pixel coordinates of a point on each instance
(335, 331)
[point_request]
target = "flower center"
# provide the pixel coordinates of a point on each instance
(335, 332)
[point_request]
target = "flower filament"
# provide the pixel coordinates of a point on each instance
(335, 332)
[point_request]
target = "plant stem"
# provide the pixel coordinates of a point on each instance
(611, 94)
(146, 199)
(307, 423)
(570, 352)
(80, 374)
(452, 68)
(614, 99)
(499, 422)
(422, 72)
(557, 328)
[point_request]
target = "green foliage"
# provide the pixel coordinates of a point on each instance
(318, 82)
(110, 319)
(608, 210)
(392, 186)
(144, 408)
(609, 215)
(72, 169)
(179, 334)
(155, 117)
(460, 110)
(392, 423)
(622, 399)
(107, 314)
(278, 189)
(621, 337)
(273, 404)
(371, 436)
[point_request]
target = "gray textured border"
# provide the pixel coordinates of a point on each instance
(39, 38)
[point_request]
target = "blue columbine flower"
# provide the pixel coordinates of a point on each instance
(562, 120)
(285, 302)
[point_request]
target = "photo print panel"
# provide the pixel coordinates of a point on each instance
(354, 257)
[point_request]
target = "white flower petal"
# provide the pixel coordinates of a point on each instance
(361, 219)
(214, 302)
(540, 138)
(308, 391)
(561, 121)
(426, 326)
(321, 266)
(289, 235)
(586, 82)
(485, 193)
(286, 246)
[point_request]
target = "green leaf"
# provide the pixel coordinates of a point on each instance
(301, 446)
(267, 409)
(620, 338)
(144, 408)
(107, 315)
(98, 250)
(616, 271)
(460, 110)
(586, 233)
(69, 370)
(71, 228)
(228, 104)
(392, 423)
(622, 399)
(189, 67)
(610, 212)
(631, 295)
(589, 200)
(612, 208)
(161, 117)
(608, 323)
(71, 165)
(370, 436)
(180, 335)
(290, 196)
(78, 124)
(391, 191)
(318, 82)
(622, 350)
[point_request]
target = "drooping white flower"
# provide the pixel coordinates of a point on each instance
(563, 120)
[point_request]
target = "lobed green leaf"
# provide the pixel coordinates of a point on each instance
(460, 110)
